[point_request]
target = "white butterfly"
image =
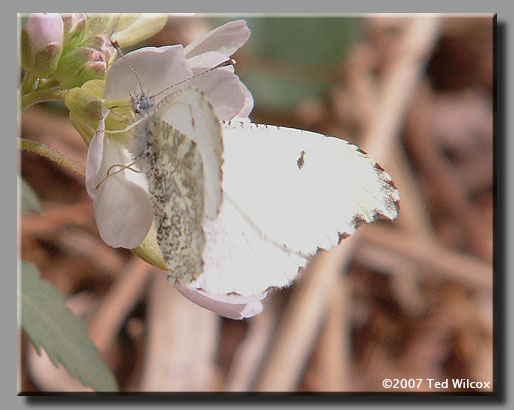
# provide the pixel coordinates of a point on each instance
(285, 193)
(239, 207)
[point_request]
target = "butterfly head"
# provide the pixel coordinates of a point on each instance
(142, 104)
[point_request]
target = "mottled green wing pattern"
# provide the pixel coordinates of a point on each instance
(176, 185)
(189, 112)
(179, 149)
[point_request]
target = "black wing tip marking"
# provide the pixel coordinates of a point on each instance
(359, 220)
(342, 236)
(379, 170)
(391, 190)
(391, 202)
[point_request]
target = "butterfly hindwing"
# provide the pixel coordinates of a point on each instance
(179, 149)
(174, 171)
(189, 112)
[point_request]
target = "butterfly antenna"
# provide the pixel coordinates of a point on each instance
(225, 63)
(116, 45)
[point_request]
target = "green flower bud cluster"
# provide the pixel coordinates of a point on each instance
(63, 51)
(91, 57)
(87, 107)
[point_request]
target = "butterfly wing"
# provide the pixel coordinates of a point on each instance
(286, 193)
(182, 163)
(174, 171)
(189, 112)
(239, 261)
(301, 190)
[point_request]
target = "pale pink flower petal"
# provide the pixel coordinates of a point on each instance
(156, 67)
(208, 60)
(234, 95)
(226, 40)
(248, 104)
(230, 306)
(123, 211)
(94, 161)
(224, 91)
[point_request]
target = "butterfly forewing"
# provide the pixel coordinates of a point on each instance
(303, 190)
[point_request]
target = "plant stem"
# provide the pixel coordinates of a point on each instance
(51, 94)
(52, 155)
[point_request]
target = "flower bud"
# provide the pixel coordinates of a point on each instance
(103, 44)
(86, 102)
(42, 43)
(86, 107)
(134, 28)
(79, 66)
(89, 62)
(100, 24)
(86, 132)
(74, 30)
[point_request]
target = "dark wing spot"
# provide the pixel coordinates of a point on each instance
(301, 160)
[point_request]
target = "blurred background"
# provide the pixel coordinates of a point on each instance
(409, 299)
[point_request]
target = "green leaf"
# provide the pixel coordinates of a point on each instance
(29, 199)
(49, 323)
(294, 58)
(302, 40)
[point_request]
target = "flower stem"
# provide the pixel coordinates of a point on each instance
(39, 96)
(52, 155)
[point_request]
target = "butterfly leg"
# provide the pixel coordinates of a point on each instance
(122, 167)
(128, 128)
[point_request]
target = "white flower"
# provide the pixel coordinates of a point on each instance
(122, 207)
